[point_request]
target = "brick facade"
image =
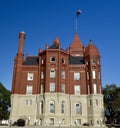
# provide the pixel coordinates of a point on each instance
(57, 87)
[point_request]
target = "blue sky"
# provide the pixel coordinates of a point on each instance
(44, 20)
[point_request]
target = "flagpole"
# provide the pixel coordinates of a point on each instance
(78, 12)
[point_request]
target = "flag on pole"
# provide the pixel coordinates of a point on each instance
(78, 12)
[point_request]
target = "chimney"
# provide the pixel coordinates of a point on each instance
(21, 42)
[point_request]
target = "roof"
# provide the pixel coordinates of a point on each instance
(56, 44)
(31, 60)
(76, 42)
(76, 60)
(53, 46)
(91, 49)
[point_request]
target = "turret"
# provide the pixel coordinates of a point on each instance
(92, 60)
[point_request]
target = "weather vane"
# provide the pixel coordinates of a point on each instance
(78, 12)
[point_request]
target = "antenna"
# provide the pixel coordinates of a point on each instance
(78, 12)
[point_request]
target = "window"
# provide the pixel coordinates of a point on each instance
(42, 75)
(29, 89)
(94, 74)
(52, 73)
(52, 87)
(63, 74)
(41, 88)
(41, 107)
(90, 102)
(88, 89)
(78, 121)
(93, 61)
(30, 102)
(78, 107)
(51, 121)
(96, 102)
(63, 88)
(52, 59)
(88, 76)
(26, 102)
(52, 107)
(77, 89)
(63, 107)
(63, 60)
(95, 88)
(63, 121)
(30, 76)
(43, 61)
(76, 76)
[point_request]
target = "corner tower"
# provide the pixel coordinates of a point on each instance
(94, 84)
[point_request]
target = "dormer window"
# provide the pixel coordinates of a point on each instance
(52, 59)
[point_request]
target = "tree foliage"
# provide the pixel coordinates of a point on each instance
(112, 103)
(4, 102)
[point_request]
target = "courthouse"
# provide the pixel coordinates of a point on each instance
(58, 87)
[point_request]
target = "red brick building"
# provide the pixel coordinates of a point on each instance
(57, 86)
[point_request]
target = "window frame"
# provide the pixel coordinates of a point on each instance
(29, 89)
(78, 109)
(52, 107)
(63, 74)
(76, 75)
(30, 76)
(52, 59)
(62, 107)
(77, 90)
(62, 88)
(52, 73)
(52, 87)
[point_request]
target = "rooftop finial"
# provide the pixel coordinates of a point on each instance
(78, 12)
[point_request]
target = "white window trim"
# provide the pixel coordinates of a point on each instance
(52, 87)
(52, 102)
(76, 76)
(52, 73)
(29, 89)
(77, 90)
(42, 75)
(63, 88)
(80, 108)
(94, 74)
(95, 88)
(63, 74)
(30, 76)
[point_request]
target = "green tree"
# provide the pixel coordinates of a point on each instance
(112, 102)
(4, 102)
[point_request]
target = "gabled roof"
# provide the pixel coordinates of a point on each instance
(31, 60)
(76, 60)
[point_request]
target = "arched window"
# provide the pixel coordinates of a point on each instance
(63, 107)
(41, 107)
(52, 106)
(78, 108)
